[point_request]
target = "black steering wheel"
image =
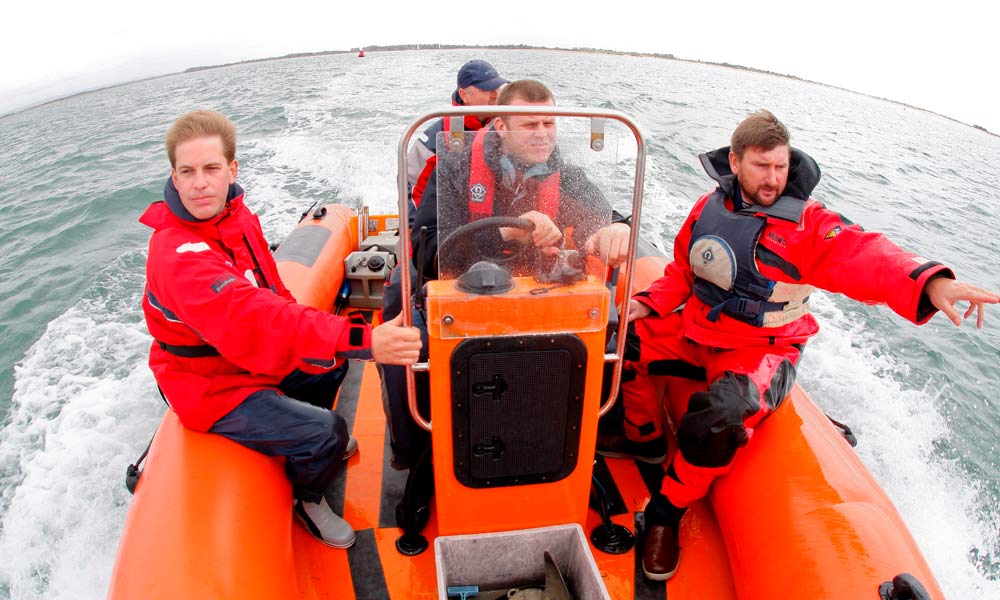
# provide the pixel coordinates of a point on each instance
(464, 236)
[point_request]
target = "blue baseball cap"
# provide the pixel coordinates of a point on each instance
(480, 74)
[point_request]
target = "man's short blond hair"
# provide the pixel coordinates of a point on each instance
(199, 124)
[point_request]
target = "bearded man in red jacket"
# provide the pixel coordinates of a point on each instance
(733, 304)
(232, 352)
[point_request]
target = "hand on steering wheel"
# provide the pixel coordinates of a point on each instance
(545, 235)
(463, 239)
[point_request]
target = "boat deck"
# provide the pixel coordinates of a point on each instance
(367, 491)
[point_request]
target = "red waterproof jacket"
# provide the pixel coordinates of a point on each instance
(823, 250)
(212, 290)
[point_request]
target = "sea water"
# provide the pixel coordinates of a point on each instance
(78, 403)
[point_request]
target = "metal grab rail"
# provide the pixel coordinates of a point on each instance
(501, 111)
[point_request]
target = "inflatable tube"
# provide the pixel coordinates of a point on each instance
(209, 519)
(311, 260)
(804, 518)
(649, 263)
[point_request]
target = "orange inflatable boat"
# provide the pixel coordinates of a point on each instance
(798, 516)
(515, 381)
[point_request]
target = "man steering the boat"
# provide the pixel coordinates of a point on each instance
(232, 352)
(513, 168)
(478, 85)
(733, 304)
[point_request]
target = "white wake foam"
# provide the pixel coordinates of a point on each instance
(84, 406)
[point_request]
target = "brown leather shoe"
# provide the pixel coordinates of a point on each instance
(660, 553)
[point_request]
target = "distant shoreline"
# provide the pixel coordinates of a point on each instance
(407, 47)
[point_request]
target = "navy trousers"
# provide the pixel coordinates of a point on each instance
(296, 423)
(407, 439)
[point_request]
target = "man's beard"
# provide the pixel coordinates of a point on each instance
(755, 198)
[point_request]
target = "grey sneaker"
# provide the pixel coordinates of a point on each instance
(324, 524)
(352, 447)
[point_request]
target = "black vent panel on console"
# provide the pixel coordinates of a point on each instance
(517, 404)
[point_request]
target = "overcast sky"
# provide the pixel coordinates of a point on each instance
(940, 56)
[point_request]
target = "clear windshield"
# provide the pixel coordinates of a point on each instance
(527, 197)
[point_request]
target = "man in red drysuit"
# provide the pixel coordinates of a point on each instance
(734, 302)
(232, 352)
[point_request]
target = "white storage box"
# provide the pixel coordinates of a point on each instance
(513, 558)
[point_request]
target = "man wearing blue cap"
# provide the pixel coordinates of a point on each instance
(478, 85)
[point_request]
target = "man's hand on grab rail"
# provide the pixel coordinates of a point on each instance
(394, 344)
(637, 310)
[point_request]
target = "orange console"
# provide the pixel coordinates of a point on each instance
(515, 392)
